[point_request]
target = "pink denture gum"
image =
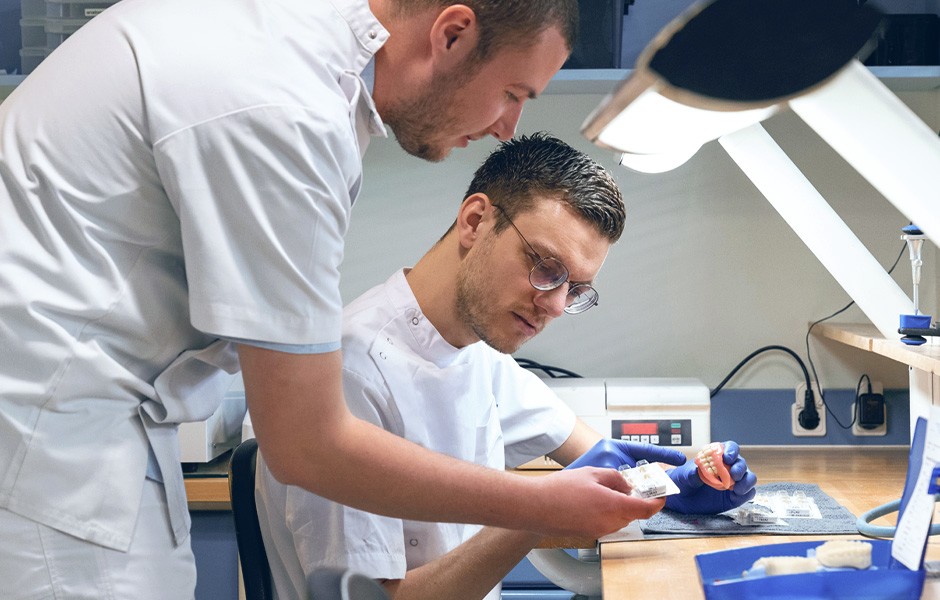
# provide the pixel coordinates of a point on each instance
(711, 467)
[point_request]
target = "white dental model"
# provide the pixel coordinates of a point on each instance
(784, 565)
(844, 553)
(834, 554)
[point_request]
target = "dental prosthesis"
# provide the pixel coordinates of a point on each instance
(648, 480)
(712, 468)
(835, 554)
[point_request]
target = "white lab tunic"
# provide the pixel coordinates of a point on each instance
(175, 173)
(472, 403)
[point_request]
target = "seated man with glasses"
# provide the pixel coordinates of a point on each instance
(426, 356)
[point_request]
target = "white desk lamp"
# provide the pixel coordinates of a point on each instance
(723, 66)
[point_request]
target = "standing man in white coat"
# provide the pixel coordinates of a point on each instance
(426, 358)
(175, 183)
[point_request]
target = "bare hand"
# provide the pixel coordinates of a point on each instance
(587, 502)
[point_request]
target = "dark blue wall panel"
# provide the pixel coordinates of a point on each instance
(762, 417)
(213, 541)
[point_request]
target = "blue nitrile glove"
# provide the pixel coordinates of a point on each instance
(612, 454)
(695, 497)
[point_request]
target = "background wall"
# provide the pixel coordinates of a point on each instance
(706, 271)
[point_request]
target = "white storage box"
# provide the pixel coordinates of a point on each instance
(205, 440)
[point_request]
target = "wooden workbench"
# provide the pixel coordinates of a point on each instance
(207, 488)
(858, 478)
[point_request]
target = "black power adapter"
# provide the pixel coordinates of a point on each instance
(869, 407)
(871, 410)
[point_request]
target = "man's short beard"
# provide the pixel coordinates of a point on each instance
(416, 120)
(469, 297)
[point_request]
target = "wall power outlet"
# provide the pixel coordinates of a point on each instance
(799, 430)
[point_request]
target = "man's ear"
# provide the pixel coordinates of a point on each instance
(454, 36)
(469, 224)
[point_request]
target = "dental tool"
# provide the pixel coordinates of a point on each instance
(915, 326)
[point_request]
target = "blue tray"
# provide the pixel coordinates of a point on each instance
(720, 573)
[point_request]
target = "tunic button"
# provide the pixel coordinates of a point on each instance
(382, 355)
(372, 35)
(413, 542)
(414, 320)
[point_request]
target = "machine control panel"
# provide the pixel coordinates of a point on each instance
(661, 432)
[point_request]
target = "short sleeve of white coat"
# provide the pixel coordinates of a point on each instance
(263, 197)
(534, 420)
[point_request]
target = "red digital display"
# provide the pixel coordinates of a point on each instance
(639, 428)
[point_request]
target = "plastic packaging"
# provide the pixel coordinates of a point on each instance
(648, 480)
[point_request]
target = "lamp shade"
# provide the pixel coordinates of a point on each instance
(724, 65)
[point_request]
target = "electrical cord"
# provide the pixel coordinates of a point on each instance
(808, 416)
(553, 372)
(809, 355)
(863, 523)
(752, 355)
(858, 388)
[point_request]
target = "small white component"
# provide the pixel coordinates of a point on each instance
(648, 480)
(844, 553)
(784, 565)
(754, 514)
(783, 504)
(798, 511)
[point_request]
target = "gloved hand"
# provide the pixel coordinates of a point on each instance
(695, 497)
(612, 454)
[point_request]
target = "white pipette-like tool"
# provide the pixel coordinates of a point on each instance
(915, 243)
(915, 326)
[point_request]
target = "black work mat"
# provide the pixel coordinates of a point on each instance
(835, 518)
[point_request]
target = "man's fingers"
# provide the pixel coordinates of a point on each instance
(654, 453)
(612, 479)
(642, 508)
(746, 484)
(732, 451)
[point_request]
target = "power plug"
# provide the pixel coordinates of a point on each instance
(801, 421)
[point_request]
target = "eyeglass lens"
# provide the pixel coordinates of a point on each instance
(580, 298)
(550, 273)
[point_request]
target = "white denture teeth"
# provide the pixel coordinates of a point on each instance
(711, 467)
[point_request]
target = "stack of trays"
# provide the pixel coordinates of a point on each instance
(45, 24)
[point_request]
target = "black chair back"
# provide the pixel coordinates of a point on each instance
(342, 584)
(254, 561)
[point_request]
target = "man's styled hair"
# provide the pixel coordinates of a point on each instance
(510, 22)
(527, 169)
